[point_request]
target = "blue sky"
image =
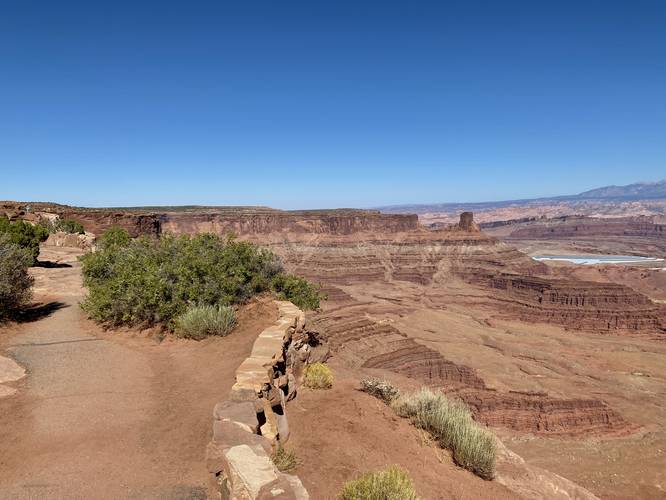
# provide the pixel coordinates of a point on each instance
(328, 104)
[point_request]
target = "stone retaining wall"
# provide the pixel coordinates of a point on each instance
(252, 422)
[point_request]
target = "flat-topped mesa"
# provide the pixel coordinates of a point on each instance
(244, 221)
(248, 223)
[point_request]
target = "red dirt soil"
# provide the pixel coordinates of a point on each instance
(341, 433)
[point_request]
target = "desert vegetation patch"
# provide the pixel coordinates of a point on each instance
(451, 424)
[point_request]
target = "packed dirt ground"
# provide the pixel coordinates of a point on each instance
(106, 414)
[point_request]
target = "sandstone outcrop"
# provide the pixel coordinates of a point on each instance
(535, 483)
(61, 239)
(252, 422)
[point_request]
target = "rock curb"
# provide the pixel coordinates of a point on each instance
(252, 422)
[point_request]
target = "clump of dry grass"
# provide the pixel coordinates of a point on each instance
(451, 424)
(284, 460)
(199, 322)
(318, 376)
(381, 389)
(392, 483)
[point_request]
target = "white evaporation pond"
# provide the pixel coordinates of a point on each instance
(598, 259)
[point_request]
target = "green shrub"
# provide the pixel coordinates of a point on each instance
(15, 281)
(297, 290)
(70, 226)
(451, 424)
(284, 460)
(199, 322)
(381, 389)
(116, 236)
(150, 281)
(318, 376)
(25, 235)
(392, 483)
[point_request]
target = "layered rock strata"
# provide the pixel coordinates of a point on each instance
(252, 422)
(366, 344)
(359, 246)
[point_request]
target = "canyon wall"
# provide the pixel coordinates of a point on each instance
(578, 226)
(257, 222)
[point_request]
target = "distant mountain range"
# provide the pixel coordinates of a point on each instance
(611, 194)
(637, 191)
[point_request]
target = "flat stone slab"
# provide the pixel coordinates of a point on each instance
(255, 471)
(10, 370)
(241, 413)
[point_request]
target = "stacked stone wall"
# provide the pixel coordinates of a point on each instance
(252, 422)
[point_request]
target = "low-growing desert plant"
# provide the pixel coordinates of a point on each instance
(381, 389)
(15, 281)
(451, 424)
(199, 322)
(25, 235)
(392, 483)
(284, 460)
(318, 376)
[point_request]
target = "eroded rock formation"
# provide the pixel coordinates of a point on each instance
(364, 343)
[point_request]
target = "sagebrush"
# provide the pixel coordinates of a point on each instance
(392, 483)
(318, 376)
(381, 389)
(15, 281)
(199, 322)
(451, 424)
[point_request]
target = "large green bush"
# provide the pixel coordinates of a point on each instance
(392, 483)
(298, 290)
(451, 424)
(116, 236)
(151, 281)
(15, 282)
(25, 235)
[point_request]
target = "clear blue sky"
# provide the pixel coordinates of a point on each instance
(328, 104)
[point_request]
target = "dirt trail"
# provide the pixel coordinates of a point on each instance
(104, 415)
